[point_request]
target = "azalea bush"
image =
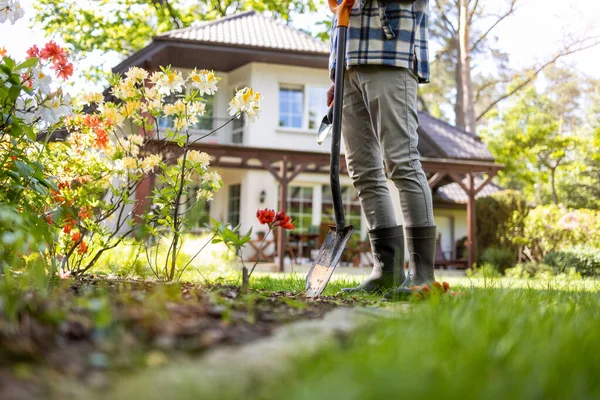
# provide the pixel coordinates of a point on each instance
(31, 111)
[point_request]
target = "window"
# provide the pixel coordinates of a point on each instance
(291, 107)
(352, 209)
(302, 107)
(317, 106)
(233, 211)
(300, 207)
(198, 213)
(237, 131)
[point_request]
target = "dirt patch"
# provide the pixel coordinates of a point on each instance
(88, 330)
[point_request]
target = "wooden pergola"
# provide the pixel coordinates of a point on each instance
(285, 165)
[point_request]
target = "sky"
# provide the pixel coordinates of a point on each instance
(531, 35)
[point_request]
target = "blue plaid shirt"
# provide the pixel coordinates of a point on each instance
(386, 33)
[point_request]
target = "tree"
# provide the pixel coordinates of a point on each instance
(464, 30)
(529, 141)
(125, 26)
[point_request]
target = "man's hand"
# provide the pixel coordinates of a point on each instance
(330, 95)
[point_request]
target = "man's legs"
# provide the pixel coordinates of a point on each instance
(390, 94)
(365, 166)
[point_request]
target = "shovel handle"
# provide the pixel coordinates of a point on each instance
(341, 11)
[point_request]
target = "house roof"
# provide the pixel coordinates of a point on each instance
(453, 193)
(249, 29)
(441, 139)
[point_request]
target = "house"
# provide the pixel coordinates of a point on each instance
(275, 162)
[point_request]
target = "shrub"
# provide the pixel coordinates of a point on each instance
(500, 220)
(551, 228)
(499, 257)
(584, 259)
(484, 271)
(528, 270)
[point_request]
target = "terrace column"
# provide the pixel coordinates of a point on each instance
(284, 178)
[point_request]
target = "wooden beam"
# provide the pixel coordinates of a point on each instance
(283, 190)
(484, 184)
(298, 169)
(471, 222)
(436, 178)
(459, 180)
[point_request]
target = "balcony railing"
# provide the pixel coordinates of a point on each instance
(231, 133)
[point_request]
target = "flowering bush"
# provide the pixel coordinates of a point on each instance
(31, 111)
(549, 228)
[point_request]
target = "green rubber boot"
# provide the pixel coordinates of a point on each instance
(421, 242)
(388, 255)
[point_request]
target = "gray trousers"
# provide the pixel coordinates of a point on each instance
(380, 124)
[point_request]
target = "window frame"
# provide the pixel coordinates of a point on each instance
(305, 106)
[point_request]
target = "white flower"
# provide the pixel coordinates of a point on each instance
(204, 195)
(129, 163)
(40, 81)
(136, 139)
(54, 108)
(213, 178)
(172, 81)
(198, 157)
(10, 10)
(196, 108)
(175, 109)
(26, 109)
(245, 101)
(205, 81)
(150, 162)
(93, 97)
(136, 73)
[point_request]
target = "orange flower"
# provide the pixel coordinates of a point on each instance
(91, 121)
(85, 212)
(283, 220)
(82, 248)
(101, 138)
(33, 51)
(63, 69)
(67, 228)
(3, 51)
(76, 236)
(265, 216)
(52, 51)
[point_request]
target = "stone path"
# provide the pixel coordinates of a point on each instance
(230, 372)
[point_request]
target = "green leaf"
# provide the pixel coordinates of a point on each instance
(10, 63)
(30, 62)
(14, 92)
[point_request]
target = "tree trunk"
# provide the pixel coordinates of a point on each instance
(553, 186)
(459, 110)
(464, 52)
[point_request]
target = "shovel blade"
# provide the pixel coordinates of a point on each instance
(329, 256)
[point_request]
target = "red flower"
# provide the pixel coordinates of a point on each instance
(101, 138)
(67, 228)
(283, 220)
(265, 216)
(63, 69)
(33, 51)
(52, 51)
(49, 219)
(85, 212)
(82, 247)
(76, 236)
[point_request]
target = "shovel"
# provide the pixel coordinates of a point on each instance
(338, 236)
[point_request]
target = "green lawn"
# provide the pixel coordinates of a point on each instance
(502, 339)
